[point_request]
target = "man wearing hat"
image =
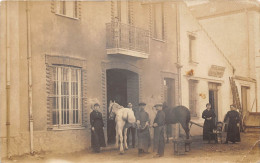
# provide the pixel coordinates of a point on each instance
(131, 129)
(97, 133)
(143, 133)
(158, 125)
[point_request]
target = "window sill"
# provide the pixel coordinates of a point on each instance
(66, 16)
(193, 63)
(66, 128)
(159, 40)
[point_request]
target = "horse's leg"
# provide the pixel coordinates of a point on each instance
(125, 135)
(117, 134)
(185, 126)
(121, 140)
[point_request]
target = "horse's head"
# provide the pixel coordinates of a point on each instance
(113, 108)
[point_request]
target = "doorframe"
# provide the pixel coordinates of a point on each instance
(248, 98)
(217, 89)
(106, 65)
(173, 76)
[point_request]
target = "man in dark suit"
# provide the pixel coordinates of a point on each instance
(131, 129)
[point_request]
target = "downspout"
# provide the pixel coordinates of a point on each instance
(8, 82)
(29, 62)
(179, 66)
(248, 44)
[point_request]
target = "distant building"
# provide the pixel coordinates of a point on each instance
(234, 28)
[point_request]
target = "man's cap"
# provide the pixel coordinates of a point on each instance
(96, 104)
(142, 104)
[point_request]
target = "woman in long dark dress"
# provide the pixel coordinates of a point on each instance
(233, 119)
(97, 133)
(209, 123)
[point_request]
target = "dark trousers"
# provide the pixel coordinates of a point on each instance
(132, 130)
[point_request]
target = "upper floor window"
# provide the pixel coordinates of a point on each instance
(158, 21)
(192, 49)
(67, 8)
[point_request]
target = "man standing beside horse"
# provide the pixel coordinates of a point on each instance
(143, 133)
(158, 125)
(131, 129)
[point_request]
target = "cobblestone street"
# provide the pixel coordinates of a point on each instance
(246, 151)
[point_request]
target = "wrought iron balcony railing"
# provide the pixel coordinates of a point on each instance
(127, 37)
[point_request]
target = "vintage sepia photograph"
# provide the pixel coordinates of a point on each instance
(145, 81)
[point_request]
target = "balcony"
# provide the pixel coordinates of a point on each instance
(127, 40)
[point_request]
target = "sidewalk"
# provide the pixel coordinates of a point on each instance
(246, 151)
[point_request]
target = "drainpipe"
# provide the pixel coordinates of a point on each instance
(179, 66)
(8, 82)
(29, 62)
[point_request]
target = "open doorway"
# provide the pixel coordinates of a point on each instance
(169, 91)
(213, 98)
(122, 87)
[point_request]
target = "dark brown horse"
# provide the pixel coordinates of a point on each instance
(178, 114)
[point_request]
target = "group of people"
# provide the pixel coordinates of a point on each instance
(142, 127)
(143, 130)
(232, 119)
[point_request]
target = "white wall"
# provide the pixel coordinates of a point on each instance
(207, 55)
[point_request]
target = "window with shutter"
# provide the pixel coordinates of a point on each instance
(66, 90)
(158, 21)
(69, 9)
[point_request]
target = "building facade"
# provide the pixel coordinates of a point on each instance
(61, 57)
(234, 29)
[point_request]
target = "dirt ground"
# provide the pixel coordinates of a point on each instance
(246, 151)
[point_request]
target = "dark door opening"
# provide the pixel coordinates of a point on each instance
(122, 87)
(117, 86)
(213, 98)
(169, 92)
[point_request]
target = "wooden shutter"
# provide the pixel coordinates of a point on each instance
(53, 6)
(50, 93)
(84, 97)
(78, 9)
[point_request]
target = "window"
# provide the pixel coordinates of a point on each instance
(66, 109)
(67, 8)
(193, 97)
(192, 49)
(158, 21)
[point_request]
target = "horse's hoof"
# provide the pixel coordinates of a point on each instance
(121, 153)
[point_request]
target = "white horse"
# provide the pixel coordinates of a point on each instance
(124, 119)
